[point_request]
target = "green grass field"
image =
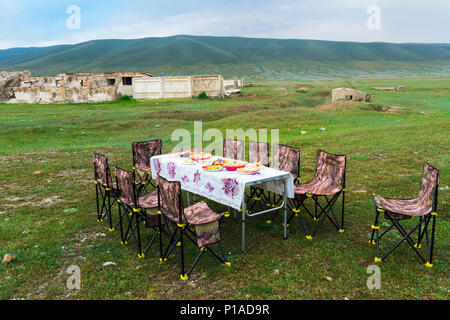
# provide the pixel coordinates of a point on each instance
(49, 218)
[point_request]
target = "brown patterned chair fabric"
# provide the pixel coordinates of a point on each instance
(233, 149)
(205, 220)
(149, 201)
(143, 151)
(420, 206)
(127, 187)
(170, 192)
(329, 178)
(287, 160)
(258, 152)
(102, 172)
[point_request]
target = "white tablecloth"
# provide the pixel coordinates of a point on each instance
(225, 187)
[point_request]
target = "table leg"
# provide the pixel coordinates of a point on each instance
(188, 199)
(244, 209)
(285, 208)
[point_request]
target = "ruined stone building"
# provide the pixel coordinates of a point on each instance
(21, 87)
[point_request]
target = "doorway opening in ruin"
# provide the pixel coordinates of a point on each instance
(111, 82)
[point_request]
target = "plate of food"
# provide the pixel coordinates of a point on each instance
(233, 165)
(200, 156)
(189, 162)
(213, 168)
(249, 170)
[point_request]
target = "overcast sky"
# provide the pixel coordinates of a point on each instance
(41, 23)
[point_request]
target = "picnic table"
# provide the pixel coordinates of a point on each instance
(225, 187)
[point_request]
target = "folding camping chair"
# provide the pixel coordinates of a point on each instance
(285, 159)
(328, 183)
(424, 207)
(136, 211)
(142, 152)
(199, 217)
(105, 190)
(258, 152)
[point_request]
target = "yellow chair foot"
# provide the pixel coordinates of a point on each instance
(240, 210)
(377, 259)
(417, 246)
(428, 265)
(228, 264)
(286, 225)
(248, 211)
(140, 256)
(296, 215)
(273, 206)
(315, 219)
(268, 221)
(98, 220)
(309, 237)
(341, 230)
(112, 230)
(373, 242)
(268, 205)
(227, 214)
(161, 260)
(184, 278)
(178, 244)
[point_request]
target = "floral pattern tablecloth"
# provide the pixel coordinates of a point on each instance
(225, 187)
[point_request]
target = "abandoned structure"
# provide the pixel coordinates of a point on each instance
(21, 87)
(349, 94)
(178, 87)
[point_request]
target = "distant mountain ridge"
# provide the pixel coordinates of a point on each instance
(248, 57)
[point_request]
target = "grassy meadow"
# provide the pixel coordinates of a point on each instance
(48, 210)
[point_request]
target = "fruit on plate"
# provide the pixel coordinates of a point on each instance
(213, 168)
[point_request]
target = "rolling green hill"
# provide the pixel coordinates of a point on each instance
(249, 57)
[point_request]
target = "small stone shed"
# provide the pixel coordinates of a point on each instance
(349, 94)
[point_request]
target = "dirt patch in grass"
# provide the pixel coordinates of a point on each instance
(321, 94)
(380, 108)
(31, 200)
(337, 105)
(212, 115)
(302, 87)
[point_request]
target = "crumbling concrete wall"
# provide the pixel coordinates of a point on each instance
(177, 87)
(349, 94)
(51, 95)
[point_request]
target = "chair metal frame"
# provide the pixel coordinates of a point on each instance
(105, 195)
(182, 229)
(135, 215)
